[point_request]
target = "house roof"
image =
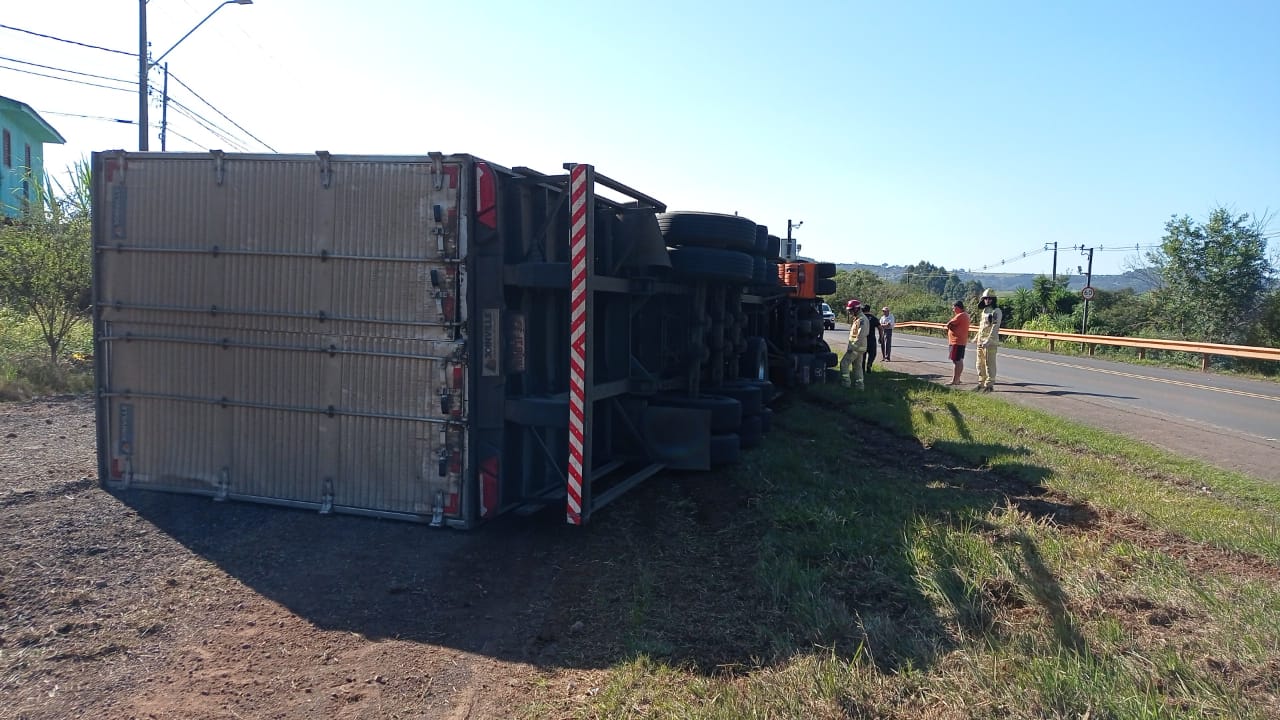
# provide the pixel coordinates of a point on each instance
(22, 113)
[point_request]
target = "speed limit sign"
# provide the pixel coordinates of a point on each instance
(1087, 292)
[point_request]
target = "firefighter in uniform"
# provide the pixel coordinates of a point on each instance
(853, 354)
(989, 318)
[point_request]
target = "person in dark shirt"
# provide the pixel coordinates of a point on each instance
(875, 336)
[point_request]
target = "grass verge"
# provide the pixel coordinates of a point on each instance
(917, 552)
(25, 369)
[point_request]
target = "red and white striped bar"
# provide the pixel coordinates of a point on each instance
(577, 339)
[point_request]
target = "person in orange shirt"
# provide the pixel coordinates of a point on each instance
(957, 338)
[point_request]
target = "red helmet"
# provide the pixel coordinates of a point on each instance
(852, 305)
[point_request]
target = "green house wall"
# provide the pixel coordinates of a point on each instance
(25, 129)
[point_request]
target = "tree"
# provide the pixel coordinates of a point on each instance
(45, 258)
(1053, 295)
(1214, 276)
(861, 284)
(939, 281)
(1120, 312)
(1022, 306)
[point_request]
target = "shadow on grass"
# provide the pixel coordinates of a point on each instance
(803, 547)
(909, 489)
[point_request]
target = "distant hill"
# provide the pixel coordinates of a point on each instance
(1014, 281)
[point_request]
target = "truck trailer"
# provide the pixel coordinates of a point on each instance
(432, 338)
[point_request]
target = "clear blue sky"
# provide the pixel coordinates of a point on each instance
(962, 133)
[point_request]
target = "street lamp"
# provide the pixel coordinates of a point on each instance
(145, 65)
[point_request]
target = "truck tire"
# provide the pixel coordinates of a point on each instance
(767, 391)
(762, 240)
(774, 250)
(766, 420)
(747, 395)
(828, 359)
(725, 449)
(726, 413)
(699, 229)
(824, 287)
(825, 270)
(712, 264)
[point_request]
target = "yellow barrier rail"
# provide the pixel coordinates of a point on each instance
(1204, 350)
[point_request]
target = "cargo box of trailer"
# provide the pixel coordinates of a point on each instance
(434, 338)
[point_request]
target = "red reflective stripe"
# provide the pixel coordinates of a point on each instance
(577, 341)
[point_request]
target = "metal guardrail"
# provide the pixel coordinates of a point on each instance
(1205, 350)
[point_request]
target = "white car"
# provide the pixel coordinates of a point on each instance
(828, 317)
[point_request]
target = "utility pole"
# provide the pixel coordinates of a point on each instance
(164, 109)
(143, 68)
(1088, 279)
(1055, 262)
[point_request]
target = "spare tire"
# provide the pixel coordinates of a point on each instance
(825, 270)
(824, 287)
(699, 229)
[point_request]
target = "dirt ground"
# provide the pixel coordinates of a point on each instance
(147, 605)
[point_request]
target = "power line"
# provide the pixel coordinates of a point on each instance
(71, 72)
(70, 80)
(1125, 248)
(89, 117)
(208, 125)
(1030, 253)
(233, 122)
(72, 42)
(184, 137)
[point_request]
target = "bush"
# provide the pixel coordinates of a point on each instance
(25, 369)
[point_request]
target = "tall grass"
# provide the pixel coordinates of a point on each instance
(929, 553)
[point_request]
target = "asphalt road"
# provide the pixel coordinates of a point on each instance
(1228, 421)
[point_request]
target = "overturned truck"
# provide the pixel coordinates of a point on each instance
(433, 338)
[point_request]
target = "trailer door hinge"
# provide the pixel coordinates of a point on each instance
(326, 170)
(437, 169)
(219, 165)
(326, 500)
(437, 510)
(224, 485)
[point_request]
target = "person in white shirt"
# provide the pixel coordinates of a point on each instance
(886, 332)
